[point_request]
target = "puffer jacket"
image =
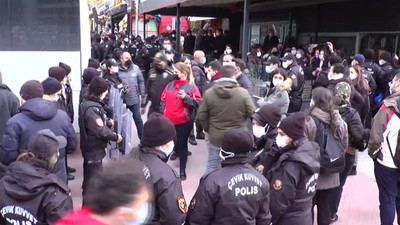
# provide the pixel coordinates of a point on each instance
(326, 181)
(278, 96)
(245, 83)
(293, 180)
(133, 78)
(37, 114)
(224, 106)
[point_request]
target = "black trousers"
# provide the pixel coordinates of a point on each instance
(181, 143)
(322, 200)
(90, 169)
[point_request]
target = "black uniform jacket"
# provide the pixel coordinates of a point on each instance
(94, 132)
(155, 86)
(236, 194)
(30, 194)
(293, 180)
(168, 200)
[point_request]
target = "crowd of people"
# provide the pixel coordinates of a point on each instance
(270, 161)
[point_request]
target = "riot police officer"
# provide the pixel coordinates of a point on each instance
(236, 194)
(385, 62)
(296, 74)
(95, 131)
(159, 76)
(155, 147)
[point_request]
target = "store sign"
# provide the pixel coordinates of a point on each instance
(99, 3)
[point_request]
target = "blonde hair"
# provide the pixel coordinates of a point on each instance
(186, 69)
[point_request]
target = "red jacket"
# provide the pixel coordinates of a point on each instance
(178, 110)
(80, 216)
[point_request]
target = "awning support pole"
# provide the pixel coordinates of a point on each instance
(136, 17)
(245, 39)
(178, 27)
(144, 26)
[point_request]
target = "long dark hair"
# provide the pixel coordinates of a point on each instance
(323, 99)
(360, 83)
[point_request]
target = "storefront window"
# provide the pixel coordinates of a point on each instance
(39, 25)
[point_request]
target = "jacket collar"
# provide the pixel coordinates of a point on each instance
(153, 151)
(226, 79)
(239, 159)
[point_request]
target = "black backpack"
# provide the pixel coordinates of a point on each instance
(332, 158)
(395, 152)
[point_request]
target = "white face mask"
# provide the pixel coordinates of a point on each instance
(381, 62)
(56, 98)
(353, 76)
(209, 76)
(258, 54)
(102, 96)
(228, 51)
(285, 64)
(258, 131)
(228, 64)
(298, 55)
(311, 103)
(268, 69)
(169, 149)
(353, 63)
(114, 69)
(281, 141)
(294, 52)
(277, 82)
(225, 155)
(142, 215)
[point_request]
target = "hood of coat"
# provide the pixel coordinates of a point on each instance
(393, 101)
(26, 180)
(225, 88)
(39, 109)
(307, 153)
(4, 87)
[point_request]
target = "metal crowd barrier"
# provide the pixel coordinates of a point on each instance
(123, 125)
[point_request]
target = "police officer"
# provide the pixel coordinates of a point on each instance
(293, 177)
(234, 194)
(296, 74)
(156, 145)
(385, 62)
(95, 131)
(159, 76)
(359, 59)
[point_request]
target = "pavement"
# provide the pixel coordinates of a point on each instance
(359, 204)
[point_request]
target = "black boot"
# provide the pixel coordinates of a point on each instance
(201, 136)
(70, 170)
(192, 140)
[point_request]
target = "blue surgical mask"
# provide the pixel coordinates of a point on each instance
(204, 60)
(142, 214)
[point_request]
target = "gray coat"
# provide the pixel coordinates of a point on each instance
(278, 96)
(9, 107)
(133, 78)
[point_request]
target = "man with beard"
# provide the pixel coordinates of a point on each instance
(159, 76)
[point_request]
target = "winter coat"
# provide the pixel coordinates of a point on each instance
(384, 131)
(321, 80)
(278, 96)
(326, 181)
(245, 83)
(133, 78)
(95, 132)
(293, 179)
(188, 44)
(168, 200)
(224, 106)
(199, 76)
(84, 92)
(268, 152)
(357, 133)
(69, 104)
(30, 194)
(9, 107)
(155, 86)
(178, 110)
(236, 194)
(362, 109)
(296, 74)
(37, 114)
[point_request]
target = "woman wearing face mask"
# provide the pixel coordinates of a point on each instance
(254, 61)
(95, 130)
(111, 74)
(278, 93)
(293, 176)
(323, 111)
(301, 59)
(31, 184)
(179, 102)
(265, 121)
(361, 86)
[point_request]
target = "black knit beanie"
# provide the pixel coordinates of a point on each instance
(89, 74)
(51, 86)
(94, 63)
(31, 89)
(270, 114)
(157, 131)
(238, 141)
(58, 73)
(293, 126)
(65, 67)
(98, 86)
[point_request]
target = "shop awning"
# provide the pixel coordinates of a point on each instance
(151, 5)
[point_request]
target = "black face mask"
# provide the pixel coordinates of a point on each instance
(176, 77)
(128, 63)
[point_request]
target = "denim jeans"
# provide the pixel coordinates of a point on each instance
(135, 109)
(214, 161)
(388, 181)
